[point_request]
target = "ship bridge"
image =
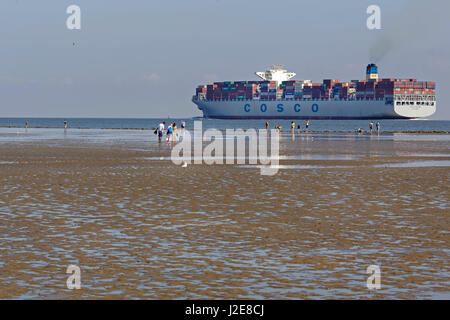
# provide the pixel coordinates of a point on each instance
(276, 73)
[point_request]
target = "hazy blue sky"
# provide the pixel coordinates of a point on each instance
(145, 58)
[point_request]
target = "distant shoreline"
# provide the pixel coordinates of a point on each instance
(284, 131)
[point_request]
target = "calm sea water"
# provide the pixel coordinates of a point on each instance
(315, 125)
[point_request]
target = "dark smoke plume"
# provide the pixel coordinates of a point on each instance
(410, 26)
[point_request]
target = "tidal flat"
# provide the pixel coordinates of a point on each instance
(141, 227)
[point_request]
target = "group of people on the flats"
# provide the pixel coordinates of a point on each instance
(171, 132)
(278, 127)
(378, 126)
(359, 130)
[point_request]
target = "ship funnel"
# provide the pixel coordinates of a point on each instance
(372, 72)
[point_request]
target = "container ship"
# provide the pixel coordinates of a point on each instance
(276, 96)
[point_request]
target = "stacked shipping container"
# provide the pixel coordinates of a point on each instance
(329, 89)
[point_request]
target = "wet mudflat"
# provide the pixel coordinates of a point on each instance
(139, 226)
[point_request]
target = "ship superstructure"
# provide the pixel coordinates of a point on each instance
(276, 73)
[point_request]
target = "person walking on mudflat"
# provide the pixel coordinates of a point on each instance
(174, 129)
(160, 130)
(370, 127)
(169, 133)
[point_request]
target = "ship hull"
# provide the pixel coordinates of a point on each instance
(312, 109)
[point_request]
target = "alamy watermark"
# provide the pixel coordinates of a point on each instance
(374, 280)
(73, 22)
(374, 20)
(74, 280)
(256, 151)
